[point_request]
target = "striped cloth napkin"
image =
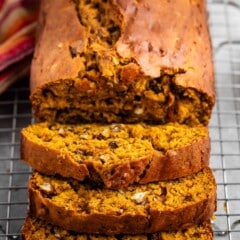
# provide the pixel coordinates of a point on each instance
(18, 20)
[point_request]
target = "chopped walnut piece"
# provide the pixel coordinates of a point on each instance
(139, 197)
(57, 235)
(61, 132)
(46, 187)
(138, 111)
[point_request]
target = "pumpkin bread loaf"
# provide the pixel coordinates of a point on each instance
(123, 61)
(36, 229)
(116, 154)
(137, 209)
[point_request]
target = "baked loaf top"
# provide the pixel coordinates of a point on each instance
(138, 209)
(123, 61)
(35, 229)
(116, 154)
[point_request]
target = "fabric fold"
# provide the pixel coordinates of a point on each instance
(18, 21)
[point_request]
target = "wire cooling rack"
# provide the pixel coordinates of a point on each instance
(224, 20)
(15, 113)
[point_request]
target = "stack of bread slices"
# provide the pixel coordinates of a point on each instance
(122, 93)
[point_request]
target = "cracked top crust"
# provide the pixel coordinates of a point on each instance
(178, 42)
(102, 61)
(168, 36)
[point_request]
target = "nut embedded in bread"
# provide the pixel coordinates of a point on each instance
(137, 209)
(123, 61)
(116, 154)
(36, 229)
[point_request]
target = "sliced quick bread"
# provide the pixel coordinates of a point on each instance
(137, 209)
(116, 154)
(123, 61)
(36, 229)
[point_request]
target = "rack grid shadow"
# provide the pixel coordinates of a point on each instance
(15, 113)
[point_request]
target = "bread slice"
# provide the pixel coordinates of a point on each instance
(123, 61)
(36, 229)
(137, 209)
(116, 154)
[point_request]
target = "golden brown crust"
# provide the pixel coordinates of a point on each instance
(102, 224)
(50, 161)
(182, 162)
(179, 40)
(58, 29)
(181, 45)
(107, 223)
(173, 40)
(153, 166)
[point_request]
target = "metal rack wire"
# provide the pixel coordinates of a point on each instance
(224, 19)
(15, 113)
